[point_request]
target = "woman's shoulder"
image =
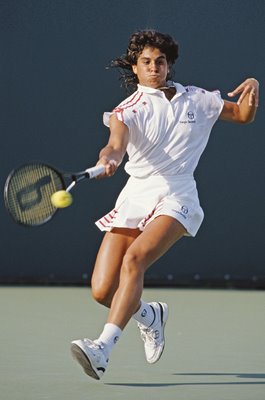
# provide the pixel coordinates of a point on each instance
(196, 90)
(130, 101)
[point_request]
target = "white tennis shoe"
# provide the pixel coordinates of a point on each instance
(90, 356)
(153, 337)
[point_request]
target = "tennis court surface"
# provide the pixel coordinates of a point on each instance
(214, 347)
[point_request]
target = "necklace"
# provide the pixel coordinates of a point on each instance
(165, 87)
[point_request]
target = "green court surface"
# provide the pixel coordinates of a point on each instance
(215, 348)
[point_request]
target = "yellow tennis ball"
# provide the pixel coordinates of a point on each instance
(61, 199)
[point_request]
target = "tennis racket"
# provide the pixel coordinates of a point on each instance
(28, 190)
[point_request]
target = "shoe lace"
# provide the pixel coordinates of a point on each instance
(148, 334)
(93, 345)
(97, 346)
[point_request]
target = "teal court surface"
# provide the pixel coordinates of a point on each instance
(215, 347)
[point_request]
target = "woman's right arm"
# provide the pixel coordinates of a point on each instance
(112, 154)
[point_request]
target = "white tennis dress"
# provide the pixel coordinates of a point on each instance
(166, 140)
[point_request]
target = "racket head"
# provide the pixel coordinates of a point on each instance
(28, 191)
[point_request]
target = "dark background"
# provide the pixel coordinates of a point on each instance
(54, 88)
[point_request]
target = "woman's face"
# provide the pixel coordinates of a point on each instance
(151, 68)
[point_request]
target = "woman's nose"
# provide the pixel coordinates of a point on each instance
(153, 66)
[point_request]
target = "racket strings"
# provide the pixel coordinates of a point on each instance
(28, 193)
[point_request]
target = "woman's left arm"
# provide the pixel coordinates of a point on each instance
(244, 110)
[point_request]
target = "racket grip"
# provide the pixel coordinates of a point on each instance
(95, 171)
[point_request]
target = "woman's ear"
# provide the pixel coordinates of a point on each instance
(134, 68)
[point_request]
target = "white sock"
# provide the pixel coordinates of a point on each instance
(109, 336)
(145, 315)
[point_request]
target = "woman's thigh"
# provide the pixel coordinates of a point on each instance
(106, 273)
(155, 240)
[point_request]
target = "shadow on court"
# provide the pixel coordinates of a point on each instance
(244, 376)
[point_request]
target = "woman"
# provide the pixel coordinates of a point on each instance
(164, 127)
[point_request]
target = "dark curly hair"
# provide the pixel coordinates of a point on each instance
(138, 41)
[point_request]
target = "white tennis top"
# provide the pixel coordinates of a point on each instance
(167, 137)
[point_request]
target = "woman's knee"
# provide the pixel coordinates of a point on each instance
(102, 294)
(132, 265)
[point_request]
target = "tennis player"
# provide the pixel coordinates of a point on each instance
(164, 128)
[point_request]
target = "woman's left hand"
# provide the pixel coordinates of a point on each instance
(249, 86)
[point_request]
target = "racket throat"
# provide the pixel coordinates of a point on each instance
(76, 179)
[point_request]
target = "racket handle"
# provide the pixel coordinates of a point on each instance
(95, 171)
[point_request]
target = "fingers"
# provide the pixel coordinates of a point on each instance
(248, 87)
(110, 167)
(253, 98)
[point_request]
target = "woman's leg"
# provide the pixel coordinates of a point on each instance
(137, 254)
(154, 241)
(106, 273)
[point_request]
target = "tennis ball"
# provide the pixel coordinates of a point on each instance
(61, 199)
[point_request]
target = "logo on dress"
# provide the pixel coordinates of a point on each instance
(191, 118)
(183, 211)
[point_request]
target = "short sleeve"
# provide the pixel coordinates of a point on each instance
(106, 117)
(121, 114)
(214, 105)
